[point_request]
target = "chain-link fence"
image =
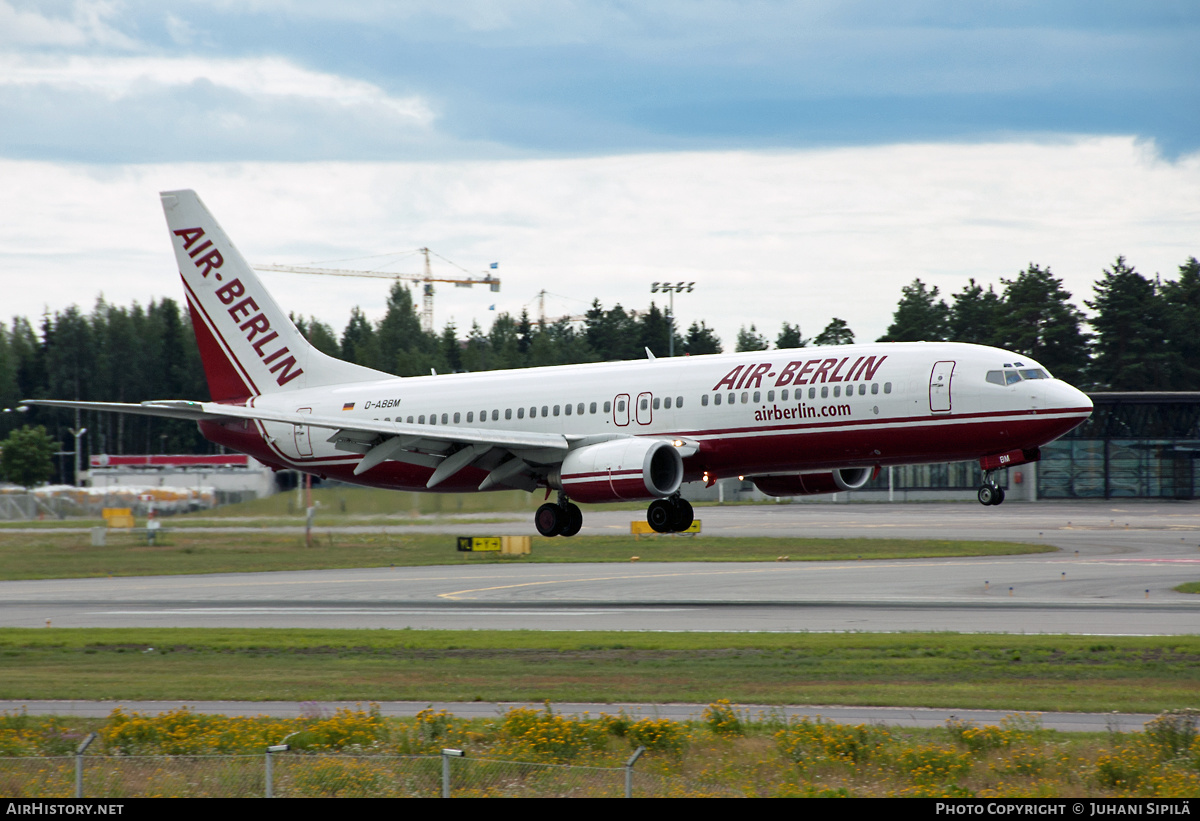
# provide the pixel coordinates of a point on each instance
(298, 775)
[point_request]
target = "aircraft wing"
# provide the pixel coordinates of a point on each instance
(509, 456)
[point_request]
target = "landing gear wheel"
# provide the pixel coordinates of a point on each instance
(572, 520)
(549, 519)
(660, 515)
(987, 494)
(999, 500)
(682, 515)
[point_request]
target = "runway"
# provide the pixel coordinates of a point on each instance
(1112, 575)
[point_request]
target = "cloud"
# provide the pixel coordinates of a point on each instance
(304, 80)
(143, 108)
(769, 236)
(116, 78)
(86, 23)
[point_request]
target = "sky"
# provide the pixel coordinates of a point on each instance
(797, 161)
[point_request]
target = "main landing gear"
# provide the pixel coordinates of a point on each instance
(561, 519)
(990, 493)
(673, 515)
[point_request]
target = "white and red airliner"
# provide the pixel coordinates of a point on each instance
(796, 422)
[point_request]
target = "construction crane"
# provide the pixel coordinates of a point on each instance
(427, 279)
(543, 319)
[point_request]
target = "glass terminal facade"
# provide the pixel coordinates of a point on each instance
(1135, 445)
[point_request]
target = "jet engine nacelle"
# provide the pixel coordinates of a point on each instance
(811, 484)
(620, 469)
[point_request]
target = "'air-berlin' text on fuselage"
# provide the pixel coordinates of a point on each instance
(257, 327)
(802, 372)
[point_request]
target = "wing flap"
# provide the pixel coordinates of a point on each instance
(347, 428)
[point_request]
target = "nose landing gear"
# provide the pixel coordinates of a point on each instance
(990, 493)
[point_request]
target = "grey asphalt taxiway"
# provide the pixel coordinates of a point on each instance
(1112, 573)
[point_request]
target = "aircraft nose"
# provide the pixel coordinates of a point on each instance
(1062, 395)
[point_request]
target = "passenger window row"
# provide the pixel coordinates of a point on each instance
(578, 409)
(798, 395)
(731, 398)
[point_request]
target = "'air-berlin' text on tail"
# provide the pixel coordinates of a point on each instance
(248, 345)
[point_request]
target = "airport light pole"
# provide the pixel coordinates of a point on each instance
(671, 288)
(78, 431)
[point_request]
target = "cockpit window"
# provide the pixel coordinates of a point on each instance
(1012, 377)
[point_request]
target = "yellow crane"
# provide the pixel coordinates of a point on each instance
(427, 279)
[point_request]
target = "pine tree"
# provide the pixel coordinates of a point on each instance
(789, 337)
(1039, 321)
(477, 355)
(974, 314)
(751, 340)
(837, 332)
(1182, 307)
(403, 346)
(655, 331)
(701, 340)
(1130, 322)
(505, 343)
(612, 334)
(920, 316)
(358, 339)
(451, 350)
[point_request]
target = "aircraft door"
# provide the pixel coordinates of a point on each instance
(621, 410)
(303, 437)
(645, 408)
(939, 386)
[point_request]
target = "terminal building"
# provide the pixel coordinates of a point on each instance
(1139, 445)
(1135, 445)
(216, 478)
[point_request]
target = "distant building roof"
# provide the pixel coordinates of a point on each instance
(1142, 415)
(170, 460)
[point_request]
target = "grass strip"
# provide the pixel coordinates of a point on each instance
(70, 555)
(1068, 673)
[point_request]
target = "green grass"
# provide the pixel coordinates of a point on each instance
(921, 669)
(337, 502)
(1188, 587)
(39, 555)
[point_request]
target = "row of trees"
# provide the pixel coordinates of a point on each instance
(837, 332)
(1142, 337)
(115, 354)
(1143, 333)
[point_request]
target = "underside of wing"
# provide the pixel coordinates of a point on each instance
(511, 458)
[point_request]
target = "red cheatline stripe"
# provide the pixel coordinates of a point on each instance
(932, 421)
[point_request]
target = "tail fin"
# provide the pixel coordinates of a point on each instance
(248, 344)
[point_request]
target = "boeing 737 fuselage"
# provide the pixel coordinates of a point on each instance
(796, 421)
